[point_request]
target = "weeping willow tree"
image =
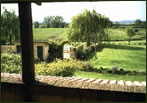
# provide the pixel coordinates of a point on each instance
(9, 26)
(89, 27)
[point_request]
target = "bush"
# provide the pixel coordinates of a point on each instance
(58, 67)
(86, 66)
(56, 50)
(10, 63)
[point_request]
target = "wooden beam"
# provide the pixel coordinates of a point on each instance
(38, 3)
(18, 1)
(25, 16)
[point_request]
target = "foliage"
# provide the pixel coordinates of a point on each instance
(130, 32)
(10, 63)
(117, 25)
(54, 22)
(55, 50)
(9, 27)
(36, 24)
(58, 67)
(138, 23)
(89, 27)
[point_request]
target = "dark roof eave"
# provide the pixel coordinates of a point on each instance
(36, 1)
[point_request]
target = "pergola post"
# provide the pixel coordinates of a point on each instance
(25, 16)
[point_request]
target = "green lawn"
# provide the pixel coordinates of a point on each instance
(110, 76)
(131, 58)
(124, 56)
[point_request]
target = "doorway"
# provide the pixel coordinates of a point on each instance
(40, 52)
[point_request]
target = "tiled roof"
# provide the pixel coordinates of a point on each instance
(83, 83)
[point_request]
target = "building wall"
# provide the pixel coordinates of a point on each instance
(8, 48)
(45, 49)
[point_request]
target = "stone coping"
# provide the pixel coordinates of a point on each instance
(82, 83)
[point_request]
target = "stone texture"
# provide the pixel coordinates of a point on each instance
(83, 83)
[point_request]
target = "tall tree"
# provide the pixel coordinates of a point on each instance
(130, 33)
(10, 26)
(90, 27)
(36, 24)
(138, 23)
(117, 24)
(47, 21)
(54, 22)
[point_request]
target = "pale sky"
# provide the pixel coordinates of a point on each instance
(115, 10)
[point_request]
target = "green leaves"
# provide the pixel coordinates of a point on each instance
(58, 67)
(10, 26)
(10, 63)
(130, 31)
(88, 26)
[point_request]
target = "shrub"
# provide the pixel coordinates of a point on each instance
(56, 50)
(86, 66)
(10, 63)
(58, 67)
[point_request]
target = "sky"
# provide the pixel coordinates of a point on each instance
(115, 10)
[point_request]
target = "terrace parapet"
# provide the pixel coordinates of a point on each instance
(82, 83)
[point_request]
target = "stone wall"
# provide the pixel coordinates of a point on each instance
(52, 88)
(8, 48)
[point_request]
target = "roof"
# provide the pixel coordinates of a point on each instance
(35, 42)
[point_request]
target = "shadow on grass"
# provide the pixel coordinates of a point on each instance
(112, 46)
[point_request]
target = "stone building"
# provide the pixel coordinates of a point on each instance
(41, 50)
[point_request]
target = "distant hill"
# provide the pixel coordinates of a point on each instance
(125, 21)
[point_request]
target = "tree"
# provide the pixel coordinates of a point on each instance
(143, 24)
(47, 21)
(138, 23)
(90, 27)
(36, 24)
(130, 33)
(117, 24)
(54, 22)
(10, 26)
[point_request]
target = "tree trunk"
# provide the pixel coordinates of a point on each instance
(10, 39)
(129, 41)
(95, 51)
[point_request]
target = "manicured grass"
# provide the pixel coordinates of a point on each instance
(139, 78)
(124, 56)
(128, 57)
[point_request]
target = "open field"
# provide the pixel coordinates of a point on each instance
(49, 33)
(120, 34)
(61, 34)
